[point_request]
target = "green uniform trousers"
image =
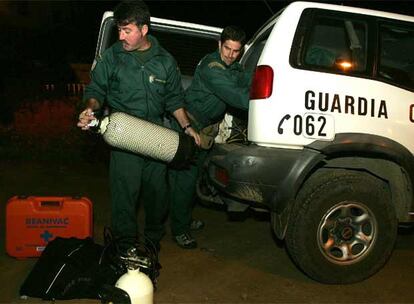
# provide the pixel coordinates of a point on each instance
(136, 179)
(182, 194)
(182, 189)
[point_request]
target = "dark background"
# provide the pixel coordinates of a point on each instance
(49, 34)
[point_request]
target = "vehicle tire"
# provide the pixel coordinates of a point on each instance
(342, 227)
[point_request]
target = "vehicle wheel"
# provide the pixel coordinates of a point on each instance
(342, 227)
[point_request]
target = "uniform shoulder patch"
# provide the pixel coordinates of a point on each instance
(216, 64)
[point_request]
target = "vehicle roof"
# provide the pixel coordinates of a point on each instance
(303, 5)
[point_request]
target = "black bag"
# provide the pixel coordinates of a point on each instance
(68, 269)
(71, 268)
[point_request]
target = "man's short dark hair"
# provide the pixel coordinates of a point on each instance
(132, 11)
(234, 33)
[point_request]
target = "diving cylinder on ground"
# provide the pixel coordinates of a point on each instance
(140, 136)
(138, 286)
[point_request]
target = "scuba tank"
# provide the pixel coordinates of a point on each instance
(137, 285)
(140, 136)
(136, 270)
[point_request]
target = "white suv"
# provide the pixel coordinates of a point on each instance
(330, 132)
(330, 136)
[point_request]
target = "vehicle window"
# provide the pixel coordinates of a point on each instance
(396, 60)
(188, 51)
(250, 59)
(337, 45)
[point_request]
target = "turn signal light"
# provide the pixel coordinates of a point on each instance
(262, 84)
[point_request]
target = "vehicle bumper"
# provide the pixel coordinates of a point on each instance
(262, 176)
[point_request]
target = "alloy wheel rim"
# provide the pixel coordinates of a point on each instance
(347, 232)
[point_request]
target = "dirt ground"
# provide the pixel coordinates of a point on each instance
(236, 262)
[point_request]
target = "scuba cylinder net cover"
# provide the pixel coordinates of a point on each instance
(140, 136)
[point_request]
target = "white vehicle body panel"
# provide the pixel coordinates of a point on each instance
(388, 110)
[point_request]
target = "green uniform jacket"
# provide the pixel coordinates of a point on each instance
(216, 85)
(145, 89)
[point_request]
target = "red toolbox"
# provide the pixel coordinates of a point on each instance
(33, 221)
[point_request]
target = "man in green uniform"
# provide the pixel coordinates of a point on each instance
(219, 81)
(136, 76)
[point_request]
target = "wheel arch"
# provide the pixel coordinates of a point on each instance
(393, 174)
(376, 155)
